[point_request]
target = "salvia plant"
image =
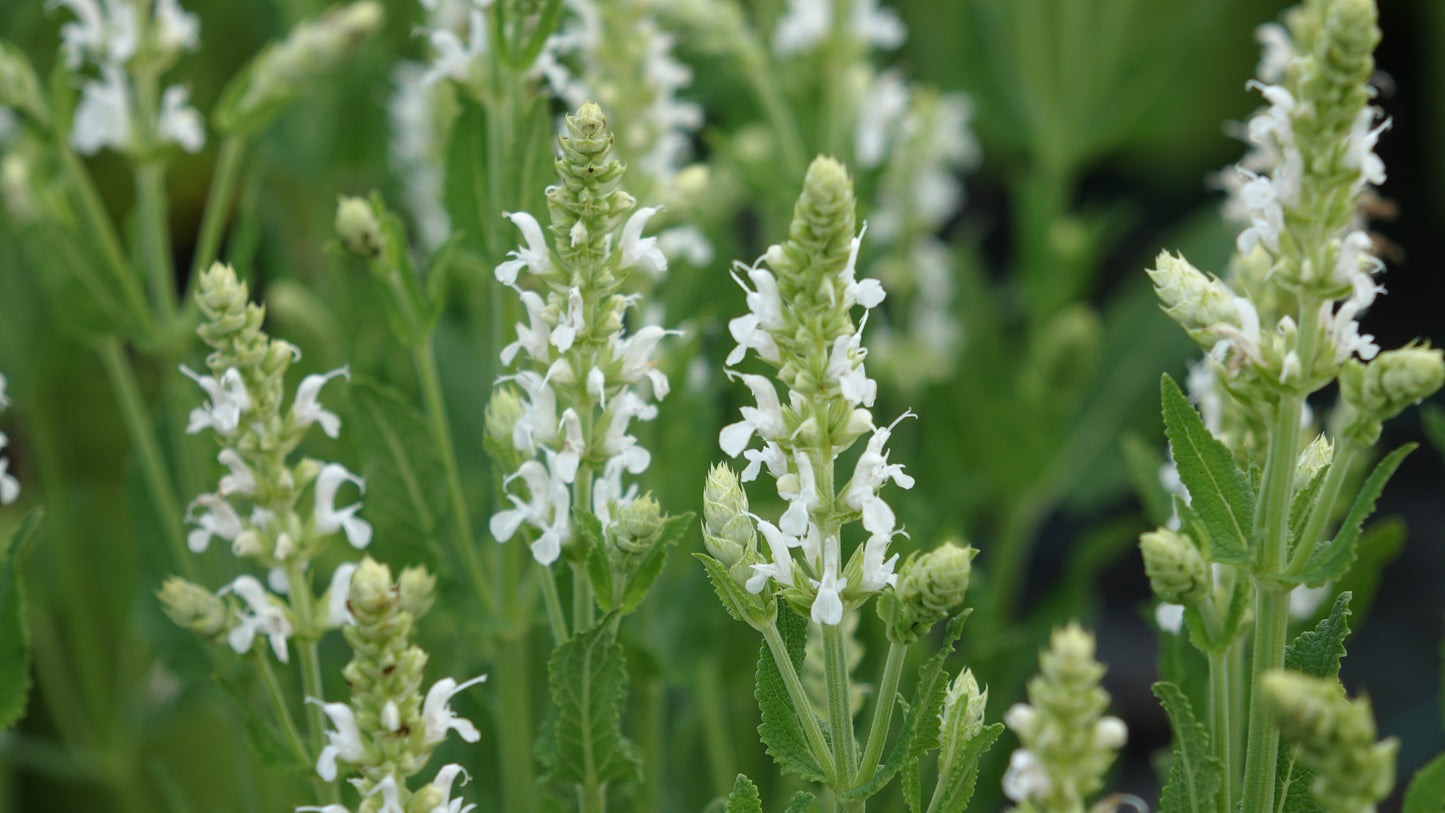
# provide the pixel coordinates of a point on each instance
(466, 553)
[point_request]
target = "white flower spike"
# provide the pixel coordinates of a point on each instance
(328, 517)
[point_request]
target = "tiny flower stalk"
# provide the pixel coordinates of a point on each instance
(1282, 327)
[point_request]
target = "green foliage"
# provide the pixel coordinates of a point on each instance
(781, 730)
(588, 680)
(14, 634)
(262, 737)
(802, 802)
(1427, 789)
(956, 789)
(1317, 651)
(1221, 494)
(744, 798)
(405, 484)
(1194, 773)
(1331, 560)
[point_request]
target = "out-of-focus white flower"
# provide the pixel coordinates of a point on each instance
(882, 110)
(1025, 778)
(1360, 147)
(306, 410)
(415, 153)
(175, 28)
(265, 617)
(179, 122)
(108, 36)
(218, 519)
(241, 480)
(103, 114)
(330, 519)
(229, 399)
(807, 23)
(454, 59)
(1277, 52)
(343, 741)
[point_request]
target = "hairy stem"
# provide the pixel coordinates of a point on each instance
(882, 711)
(840, 716)
(801, 704)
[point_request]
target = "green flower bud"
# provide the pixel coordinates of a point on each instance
(1336, 736)
(193, 606)
(1196, 301)
(587, 202)
(19, 87)
(372, 592)
(417, 590)
(503, 412)
(1313, 460)
(961, 719)
(638, 525)
(929, 586)
(1393, 380)
(1177, 573)
(727, 530)
(357, 228)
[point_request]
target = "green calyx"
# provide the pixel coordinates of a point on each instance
(587, 204)
(929, 588)
(728, 531)
(1177, 573)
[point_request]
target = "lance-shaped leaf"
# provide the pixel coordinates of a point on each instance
(14, 634)
(956, 787)
(1194, 774)
(1330, 560)
(1219, 492)
(1315, 652)
(744, 798)
(589, 681)
(780, 729)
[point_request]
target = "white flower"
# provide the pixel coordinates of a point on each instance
(828, 605)
(808, 23)
(566, 332)
(330, 519)
(175, 28)
(1276, 119)
(390, 795)
(228, 400)
(547, 510)
(878, 573)
(336, 612)
(110, 36)
(1360, 147)
(538, 423)
(845, 366)
(102, 116)
(533, 257)
(535, 336)
(1303, 601)
(869, 293)
(636, 356)
(438, 716)
(414, 153)
(780, 569)
(9, 486)
(1278, 52)
(241, 480)
(1025, 778)
(443, 783)
(343, 742)
(178, 122)
(574, 446)
(641, 252)
(1169, 617)
(687, 242)
(772, 455)
(305, 410)
(325, 809)
(219, 519)
(1266, 215)
(1110, 734)
(766, 418)
(265, 617)
(869, 474)
(883, 106)
(453, 59)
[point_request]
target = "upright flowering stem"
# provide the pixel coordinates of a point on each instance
(882, 711)
(218, 203)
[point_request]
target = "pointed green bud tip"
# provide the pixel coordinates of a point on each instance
(193, 606)
(963, 707)
(727, 530)
(357, 227)
(1177, 573)
(938, 579)
(638, 524)
(1393, 380)
(220, 291)
(588, 122)
(1193, 299)
(372, 590)
(1313, 460)
(417, 589)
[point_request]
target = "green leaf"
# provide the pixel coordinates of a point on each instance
(1142, 461)
(14, 634)
(1380, 544)
(673, 530)
(1432, 420)
(1331, 560)
(589, 681)
(956, 790)
(802, 802)
(1304, 500)
(1220, 493)
(405, 488)
(1293, 780)
(744, 798)
(919, 733)
(1427, 788)
(780, 729)
(599, 569)
(1317, 652)
(1195, 774)
(265, 742)
(912, 792)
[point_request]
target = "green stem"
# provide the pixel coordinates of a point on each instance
(279, 705)
(1324, 506)
(712, 702)
(883, 711)
(99, 225)
(155, 238)
(121, 374)
(840, 716)
(426, 368)
(1220, 689)
(218, 204)
(583, 607)
(592, 798)
(555, 617)
(310, 661)
(513, 691)
(1271, 622)
(755, 63)
(801, 704)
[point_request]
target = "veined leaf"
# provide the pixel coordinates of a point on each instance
(802, 802)
(912, 793)
(1332, 559)
(14, 634)
(1292, 783)
(956, 789)
(589, 681)
(261, 736)
(780, 729)
(744, 798)
(1220, 493)
(1427, 788)
(1195, 774)
(1317, 652)
(641, 580)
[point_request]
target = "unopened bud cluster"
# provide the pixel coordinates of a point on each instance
(1177, 572)
(929, 587)
(1336, 738)
(1067, 742)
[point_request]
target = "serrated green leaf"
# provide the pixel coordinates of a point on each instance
(956, 790)
(1220, 493)
(673, 530)
(727, 590)
(1195, 774)
(588, 680)
(1427, 788)
(919, 732)
(1292, 784)
(261, 736)
(599, 569)
(802, 802)
(1317, 652)
(780, 729)
(912, 791)
(744, 798)
(405, 487)
(1331, 559)
(14, 632)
